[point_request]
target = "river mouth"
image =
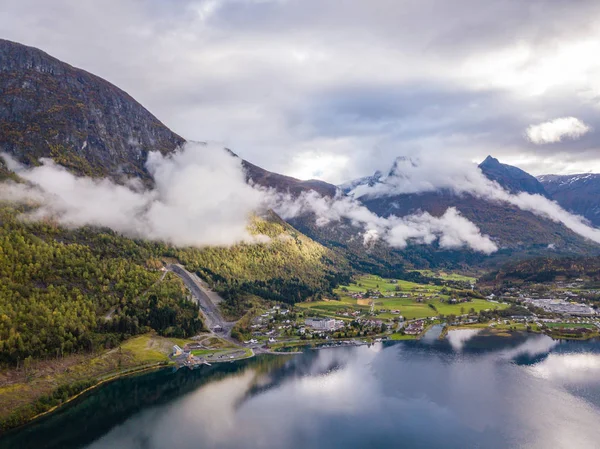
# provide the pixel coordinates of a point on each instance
(468, 390)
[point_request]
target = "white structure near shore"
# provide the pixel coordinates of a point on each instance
(325, 324)
(177, 351)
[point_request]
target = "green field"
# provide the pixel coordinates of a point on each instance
(398, 337)
(372, 282)
(447, 276)
(203, 352)
(417, 305)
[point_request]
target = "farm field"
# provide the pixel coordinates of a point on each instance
(447, 276)
(412, 300)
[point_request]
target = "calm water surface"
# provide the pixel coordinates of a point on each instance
(468, 391)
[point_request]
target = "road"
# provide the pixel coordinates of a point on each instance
(207, 300)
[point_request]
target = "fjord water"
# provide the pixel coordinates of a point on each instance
(468, 391)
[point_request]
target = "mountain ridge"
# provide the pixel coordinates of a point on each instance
(49, 108)
(511, 178)
(521, 232)
(579, 194)
(70, 126)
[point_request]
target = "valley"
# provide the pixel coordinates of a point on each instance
(105, 272)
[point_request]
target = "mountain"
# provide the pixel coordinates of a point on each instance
(51, 109)
(284, 183)
(579, 194)
(508, 225)
(364, 181)
(69, 290)
(511, 178)
(517, 232)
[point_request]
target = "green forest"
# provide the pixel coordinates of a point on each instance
(289, 268)
(58, 287)
(86, 289)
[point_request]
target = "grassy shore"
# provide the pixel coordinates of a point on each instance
(27, 393)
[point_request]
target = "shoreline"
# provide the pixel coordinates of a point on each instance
(320, 345)
(498, 331)
(110, 378)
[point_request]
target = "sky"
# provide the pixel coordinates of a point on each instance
(335, 89)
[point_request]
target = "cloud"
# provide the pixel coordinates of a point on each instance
(271, 79)
(556, 130)
(200, 198)
(451, 230)
(432, 173)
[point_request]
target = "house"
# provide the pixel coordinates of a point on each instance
(177, 351)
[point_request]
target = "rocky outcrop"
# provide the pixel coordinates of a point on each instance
(51, 109)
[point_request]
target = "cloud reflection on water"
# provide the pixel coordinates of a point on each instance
(383, 396)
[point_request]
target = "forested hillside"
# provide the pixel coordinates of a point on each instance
(85, 289)
(544, 269)
(289, 268)
(64, 291)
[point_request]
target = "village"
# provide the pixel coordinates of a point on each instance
(375, 309)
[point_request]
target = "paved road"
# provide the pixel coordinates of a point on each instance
(206, 299)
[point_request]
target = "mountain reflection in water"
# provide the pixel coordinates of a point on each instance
(469, 390)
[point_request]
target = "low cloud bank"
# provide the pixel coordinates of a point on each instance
(451, 230)
(201, 198)
(426, 174)
(556, 130)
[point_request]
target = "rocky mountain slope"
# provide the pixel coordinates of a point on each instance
(518, 233)
(51, 109)
(511, 178)
(579, 194)
(284, 183)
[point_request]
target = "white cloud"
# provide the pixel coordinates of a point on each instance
(451, 230)
(556, 130)
(254, 74)
(431, 173)
(200, 198)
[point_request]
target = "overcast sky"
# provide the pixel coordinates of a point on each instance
(334, 89)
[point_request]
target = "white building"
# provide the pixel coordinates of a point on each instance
(326, 324)
(177, 351)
